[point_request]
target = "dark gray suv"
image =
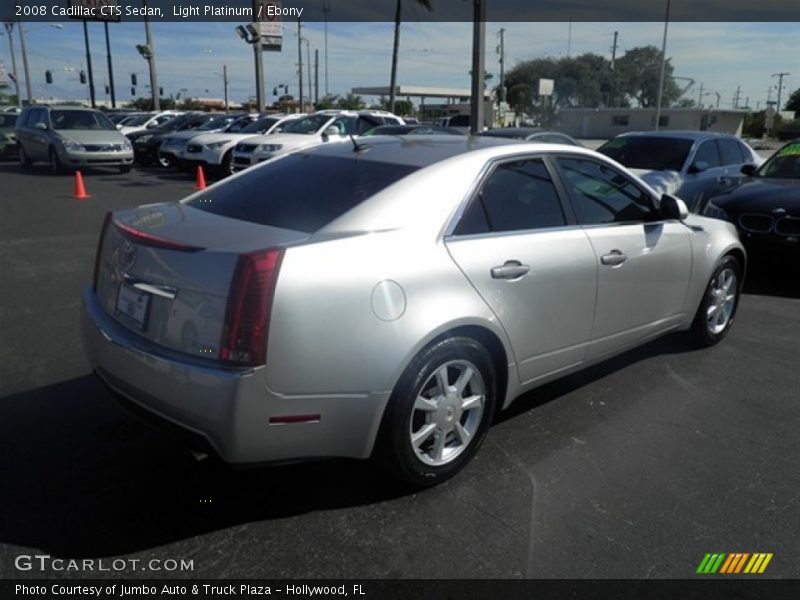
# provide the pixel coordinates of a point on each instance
(71, 137)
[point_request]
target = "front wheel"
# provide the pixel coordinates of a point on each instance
(717, 310)
(164, 161)
(439, 412)
(56, 167)
(24, 161)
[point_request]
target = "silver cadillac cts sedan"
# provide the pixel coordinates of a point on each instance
(387, 297)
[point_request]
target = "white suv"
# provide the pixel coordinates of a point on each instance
(310, 130)
(215, 150)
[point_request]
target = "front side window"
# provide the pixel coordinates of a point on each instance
(729, 152)
(603, 195)
(517, 196)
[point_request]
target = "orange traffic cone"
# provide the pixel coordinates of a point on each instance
(201, 179)
(80, 190)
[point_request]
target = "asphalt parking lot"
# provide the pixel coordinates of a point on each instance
(634, 468)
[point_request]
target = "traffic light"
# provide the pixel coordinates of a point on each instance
(133, 91)
(48, 76)
(83, 76)
(274, 91)
(108, 90)
(133, 79)
(160, 91)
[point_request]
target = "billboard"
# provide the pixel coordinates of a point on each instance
(267, 16)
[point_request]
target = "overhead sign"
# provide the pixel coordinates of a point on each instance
(546, 87)
(95, 10)
(267, 15)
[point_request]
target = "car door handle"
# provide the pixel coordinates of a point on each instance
(511, 269)
(613, 258)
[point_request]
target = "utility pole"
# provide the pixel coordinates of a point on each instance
(316, 76)
(308, 68)
(780, 77)
(25, 63)
(225, 86)
(89, 64)
(736, 97)
(614, 50)
(300, 63)
(9, 30)
(325, 8)
(700, 97)
(151, 61)
(478, 65)
(663, 70)
(501, 49)
(110, 67)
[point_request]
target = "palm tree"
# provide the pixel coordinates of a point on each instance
(427, 4)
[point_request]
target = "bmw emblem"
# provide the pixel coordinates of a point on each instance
(778, 212)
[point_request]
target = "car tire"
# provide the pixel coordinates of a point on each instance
(717, 310)
(56, 167)
(164, 161)
(24, 161)
(427, 437)
(225, 167)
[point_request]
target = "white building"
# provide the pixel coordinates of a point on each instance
(605, 123)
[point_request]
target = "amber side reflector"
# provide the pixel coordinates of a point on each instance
(285, 419)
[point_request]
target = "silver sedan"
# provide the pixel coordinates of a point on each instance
(387, 297)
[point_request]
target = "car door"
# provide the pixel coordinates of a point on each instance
(533, 266)
(644, 263)
(703, 176)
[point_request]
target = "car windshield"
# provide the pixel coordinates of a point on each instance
(784, 164)
(652, 153)
(79, 119)
(135, 120)
(8, 119)
(216, 123)
(308, 125)
(260, 126)
(302, 192)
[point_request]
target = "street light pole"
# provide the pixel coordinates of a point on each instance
(478, 65)
(663, 70)
(110, 67)
(25, 63)
(300, 63)
(9, 30)
(259, 61)
(89, 64)
(151, 60)
(225, 86)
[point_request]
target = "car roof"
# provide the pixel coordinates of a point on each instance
(687, 135)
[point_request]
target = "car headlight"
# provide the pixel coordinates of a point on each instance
(143, 139)
(126, 145)
(215, 145)
(73, 146)
(268, 147)
(715, 212)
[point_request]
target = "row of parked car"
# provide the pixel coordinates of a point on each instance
(714, 174)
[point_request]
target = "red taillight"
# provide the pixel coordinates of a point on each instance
(148, 239)
(249, 304)
(97, 256)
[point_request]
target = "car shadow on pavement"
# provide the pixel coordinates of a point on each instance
(84, 478)
(772, 276)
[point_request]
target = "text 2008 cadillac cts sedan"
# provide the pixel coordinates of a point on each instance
(388, 297)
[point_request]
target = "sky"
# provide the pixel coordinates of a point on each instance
(191, 55)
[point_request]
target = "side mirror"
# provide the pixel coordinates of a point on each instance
(151, 125)
(119, 127)
(698, 166)
(672, 208)
(749, 170)
(42, 126)
(329, 131)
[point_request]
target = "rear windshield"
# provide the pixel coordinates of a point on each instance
(654, 153)
(301, 192)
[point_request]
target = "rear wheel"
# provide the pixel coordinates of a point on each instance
(439, 412)
(164, 161)
(226, 166)
(717, 310)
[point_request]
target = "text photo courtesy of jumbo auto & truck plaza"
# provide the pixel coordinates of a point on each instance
(399, 299)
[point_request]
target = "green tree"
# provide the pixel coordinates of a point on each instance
(351, 102)
(327, 102)
(793, 103)
(398, 16)
(403, 108)
(640, 72)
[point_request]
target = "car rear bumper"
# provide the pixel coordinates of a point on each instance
(232, 410)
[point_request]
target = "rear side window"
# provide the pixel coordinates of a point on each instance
(729, 152)
(517, 196)
(302, 192)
